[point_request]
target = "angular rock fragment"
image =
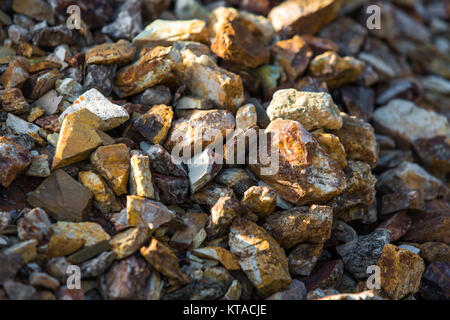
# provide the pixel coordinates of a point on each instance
(171, 190)
(210, 194)
(41, 279)
(16, 75)
(435, 283)
(69, 88)
(95, 267)
(12, 100)
(14, 159)
(303, 258)
(90, 232)
(35, 224)
(126, 243)
(155, 124)
(18, 291)
(237, 179)
(162, 161)
(225, 257)
(435, 251)
(104, 198)
(326, 275)
(222, 215)
(128, 22)
(154, 96)
(260, 200)
(398, 225)
(147, 213)
(332, 145)
(141, 177)
(434, 152)
(40, 83)
(25, 249)
(397, 201)
(295, 291)
(202, 169)
(100, 77)
(89, 252)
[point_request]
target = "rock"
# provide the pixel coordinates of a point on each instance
(36, 9)
(326, 275)
(155, 124)
(5, 219)
(401, 271)
(35, 225)
(111, 115)
(293, 55)
(415, 122)
(154, 96)
(35, 113)
(303, 258)
(246, 116)
(222, 87)
(434, 152)
(90, 232)
(222, 215)
(95, 267)
(104, 198)
(235, 43)
(129, 241)
(14, 159)
(41, 279)
(166, 32)
(225, 257)
(18, 291)
(16, 75)
(235, 178)
(210, 194)
(302, 16)
(335, 70)
(77, 138)
(60, 246)
(409, 176)
(147, 213)
(234, 291)
(295, 291)
(17, 125)
(25, 249)
(126, 279)
(359, 101)
(312, 177)
(100, 77)
(261, 258)
(364, 251)
(171, 190)
(148, 71)
(162, 161)
(260, 200)
(128, 22)
(69, 88)
(198, 129)
(89, 252)
(300, 224)
(162, 258)
(113, 164)
(332, 146)
(397, 201)
(435, 251)
(62, 197)
(435, 284)
(141, 177)
(312, 109)
(12, 100)
(202, 169)
(9, 266)
(398, 225)
(50, 102)
(40, 83)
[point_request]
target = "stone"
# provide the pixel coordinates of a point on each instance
(25, 249)
(126, 279)
(40, 83)
(16, 75)
(126, 243)
(237, 179)
(61, 246)
(111, 115)
(303, 16)
(332, 146)
(435, 251)
(128, 22)
(165, 32)
(359, 101)
(69, 88)
(50, 123)
(312, 109)
(171, 190)
(148, 71)
(415, 122)
(335, 70)
(398, 225)
(312, 177)
(50, 102)
(434, 152)
(113, 164)
(100, 77)
(36, 9)
(326, 275)
(9, 266)
(147, 213)
(401, 271)
(234, 291)
(41, 279)
(435, 284)
(303, 258)
(202, 168)
(62, 197)
(300, 224)
(260, 200)
(235, 43)
(197, 129)
(35, 224)
(104, 198)
(224, 211)
(162, 258)
(154, 96)
(364, 251)
(91, 232)
(14, 159)
(17, 125)
(77, 138)
(12, 100)
(141, 177)
(204, 78)
(95, 267)
(18, 291)
(5, 219)
(295, 291)
(35, 113)
(89, 252)
(246, 117)
(397, 201)
(408, 176)
(225, 257)
(162, 161)
(155, 124)
(293, 55)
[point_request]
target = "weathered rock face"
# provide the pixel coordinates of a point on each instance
(303, 258)
(155, 124)
(141, 178)
(225, 257)
(35, 225)
(62, 197)
(14, 159)
(435, 251)
(398, 225)
(126, 243)
(401, 271)
(92, 233)
(12, 100)
(205, 79)
(260, 200)
(261, 257)
(149, 70)
(147, 213)
(121, 52)
(435, 284)
(434, 152)
(113, 163)
(237, 179)
(406, 122)
(312, 109)
(306, 173)
(332, 145)
(300, 224)
(104, 197)
(222, 215)
(326, 275)
(202, 169)
(406, 200)
(303, 16)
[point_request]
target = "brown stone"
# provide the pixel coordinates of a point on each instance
(225, 257)
(113, 164)
(121, 52)
(401, 271)
(40, 83)
(435, 251)
(434, 152)
(147, 213)
(397, 201)
(155, 124)
(35, 224)
(260, 200)
(211, 193)
(14, 159)
(303, 258)
(129, 241)
(326, 275)
(332, 146)
(104, 198)
(12, 100)
(222, 214)
(16, 75)
(62, 197)
(398, 225)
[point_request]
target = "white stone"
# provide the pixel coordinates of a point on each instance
(17, 125)
(50, 102)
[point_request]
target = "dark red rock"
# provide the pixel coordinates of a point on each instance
(435, 283)
(14, 159)
(325, 276)
(406, 200)
(398, 225)
(172, 190)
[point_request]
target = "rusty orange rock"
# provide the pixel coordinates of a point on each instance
(121, 52)
(155, 124)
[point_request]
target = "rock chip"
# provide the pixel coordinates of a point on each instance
(126, 243)
(104, 198)
(155, 124)
(434, 152)
(303, 258)
(202, 169)
(326, 275)
(332, 146)
(435, 251)
(14, 159)
(141, 177)
(91, 232)
(260, 200)
(162, 161)
(25, 249)
(147, 213)
(398, 225)
(35, 224)
(12, 100)
(435, 284)
(237, 179)
(42, 279)
(225, 257)
(95, 267)
(397, 201)
(222, 215)
(295, 291)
